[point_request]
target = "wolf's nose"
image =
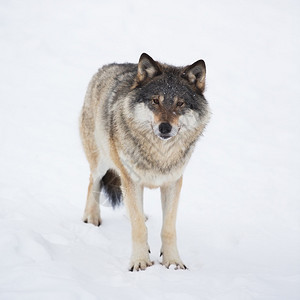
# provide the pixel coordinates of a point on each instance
(165, 128)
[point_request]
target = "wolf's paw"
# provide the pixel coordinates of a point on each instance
(140, 264)
(140, 260)
(92, 218)
(175, 260)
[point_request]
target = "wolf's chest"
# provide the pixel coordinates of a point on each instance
(153, 170)
(153, 178)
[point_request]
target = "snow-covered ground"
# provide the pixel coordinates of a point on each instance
(239, 216)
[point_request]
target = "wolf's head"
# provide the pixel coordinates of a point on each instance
(170, 99)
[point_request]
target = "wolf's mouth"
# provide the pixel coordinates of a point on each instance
(165, 136)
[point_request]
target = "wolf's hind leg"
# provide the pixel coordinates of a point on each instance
(92, 209)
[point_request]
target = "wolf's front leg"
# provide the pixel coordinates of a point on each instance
(133, 194)
(170, 197)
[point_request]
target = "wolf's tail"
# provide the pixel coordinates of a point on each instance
(111, 185)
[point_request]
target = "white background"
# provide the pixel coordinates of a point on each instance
(238, 221)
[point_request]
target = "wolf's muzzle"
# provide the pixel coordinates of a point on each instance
(165, 130)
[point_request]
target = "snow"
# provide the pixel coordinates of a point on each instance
(239, 216)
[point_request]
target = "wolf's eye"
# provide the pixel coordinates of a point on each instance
(180, 103)
(155, 101)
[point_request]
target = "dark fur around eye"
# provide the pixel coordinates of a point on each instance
(170, 87)
(155, 101)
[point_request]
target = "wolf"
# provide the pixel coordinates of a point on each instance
(139, 125)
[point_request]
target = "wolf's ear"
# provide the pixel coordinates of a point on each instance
(147, 68)
(195, 74)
